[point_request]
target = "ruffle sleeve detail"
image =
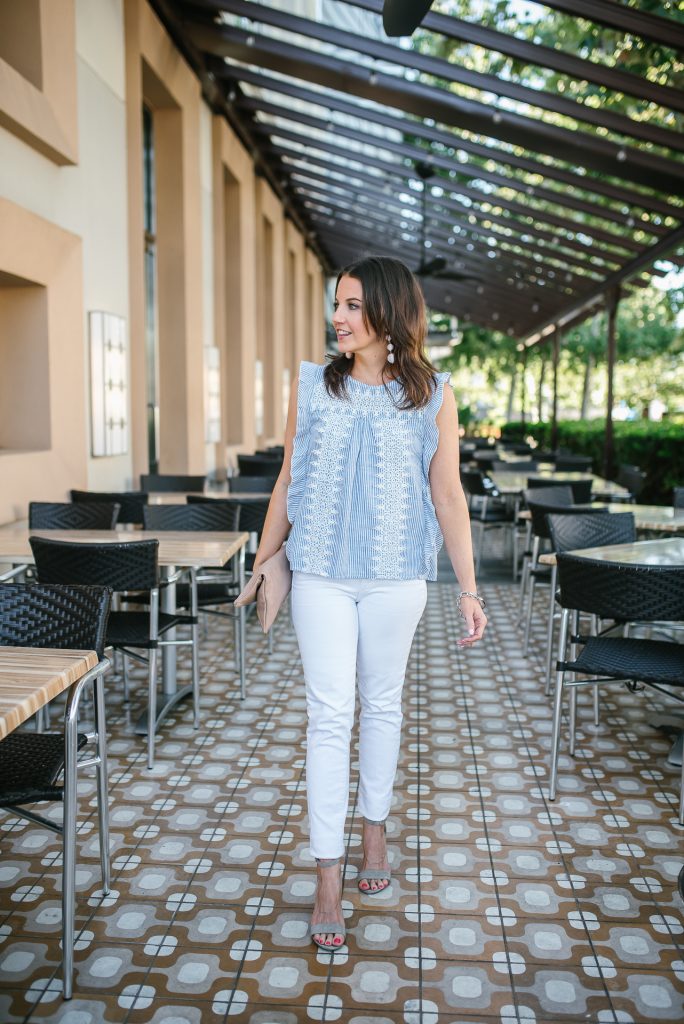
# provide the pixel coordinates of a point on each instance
(432, 535)
(309, 375)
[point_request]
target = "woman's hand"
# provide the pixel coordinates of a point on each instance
(475, 620)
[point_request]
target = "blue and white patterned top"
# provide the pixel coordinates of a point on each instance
(359, 499)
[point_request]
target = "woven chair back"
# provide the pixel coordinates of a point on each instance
(171, 482)
(42, 615)
(632, 478)
(616, 590)
(581, 489)
(121, 566)
(474, 484)
(249, 515)
(525, 466)
(678, 497)
(259, 465)
(131, 502)
(559, 495)
(211, 514)
(539, 514)
(572, 530)
(252, 484)
(64, 515)
(574, 463)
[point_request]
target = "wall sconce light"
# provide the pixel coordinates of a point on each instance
(108, 384)
(212, 394)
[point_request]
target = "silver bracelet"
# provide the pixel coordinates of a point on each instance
(476, 597)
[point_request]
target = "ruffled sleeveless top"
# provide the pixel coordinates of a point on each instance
(359, 499)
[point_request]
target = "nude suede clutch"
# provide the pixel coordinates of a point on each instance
(269, 585)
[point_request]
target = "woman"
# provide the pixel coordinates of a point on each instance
(370, 486)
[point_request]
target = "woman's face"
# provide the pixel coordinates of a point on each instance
(352, 333)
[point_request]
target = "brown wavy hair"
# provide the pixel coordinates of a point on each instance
(393, 304)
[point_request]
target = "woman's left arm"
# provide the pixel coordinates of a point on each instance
(452, 514)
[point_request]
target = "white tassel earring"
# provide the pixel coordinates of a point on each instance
(390, 350)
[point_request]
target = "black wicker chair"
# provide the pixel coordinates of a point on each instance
(36, 615)
(215, 587)
(559, 494)
(623, 593)
(536, 572)
(633, 479)
(259, 465)
(571, 530)
(130, 503)
(150, 482)
(130, 566)
(64, 515)
(488, 511)
(581, 489)
(252, 484)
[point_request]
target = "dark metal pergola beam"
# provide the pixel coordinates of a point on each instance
(563, 200)
(665, 31)
(540, 56)
(443, 70)
(562, 249)
(376, 115)
(462, 261)
(444, 163)
(661, 249)
(480, 235)
(591, 151)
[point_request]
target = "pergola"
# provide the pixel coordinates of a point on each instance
(525, 209)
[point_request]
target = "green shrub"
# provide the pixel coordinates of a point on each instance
(656, 447)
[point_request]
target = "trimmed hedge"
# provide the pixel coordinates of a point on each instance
(656, 447)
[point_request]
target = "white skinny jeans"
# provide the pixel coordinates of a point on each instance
(344, 627)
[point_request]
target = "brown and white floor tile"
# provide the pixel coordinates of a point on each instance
(505, 908)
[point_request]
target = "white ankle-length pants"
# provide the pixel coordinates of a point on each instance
(345, 627)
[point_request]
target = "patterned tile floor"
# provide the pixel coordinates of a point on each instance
(504, 907)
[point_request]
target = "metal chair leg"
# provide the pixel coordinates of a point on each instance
(549, 631)
(195, 649)
(558, 707)
(70, 797)
(528, 614)
(151, 706)
(102, 780)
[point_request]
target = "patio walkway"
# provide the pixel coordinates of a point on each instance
(503, 907)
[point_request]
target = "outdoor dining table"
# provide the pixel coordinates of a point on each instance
(30, 677)
(666, 551)
(187, 549)
(514, 482)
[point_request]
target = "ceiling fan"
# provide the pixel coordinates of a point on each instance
(402, 17)
(436, 267)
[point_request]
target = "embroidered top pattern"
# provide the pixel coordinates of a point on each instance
(359, 499)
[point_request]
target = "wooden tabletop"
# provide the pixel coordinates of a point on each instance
(646, 517)
(30, 677)
(179, 497)
(515, 482)
(185, 548)
(669, 551)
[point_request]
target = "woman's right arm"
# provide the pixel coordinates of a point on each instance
(277, 525)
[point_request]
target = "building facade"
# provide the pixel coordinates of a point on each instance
(155, 300)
